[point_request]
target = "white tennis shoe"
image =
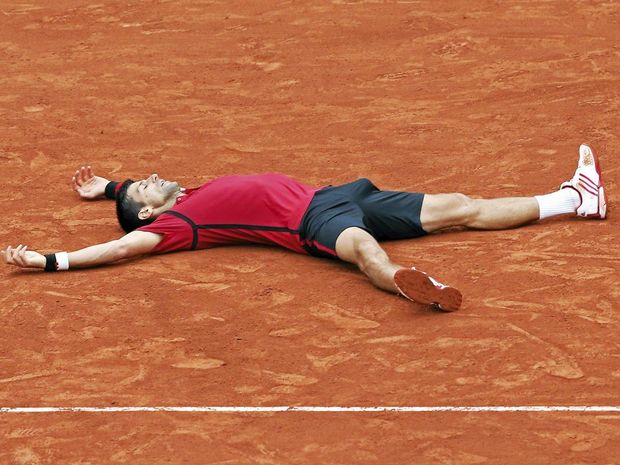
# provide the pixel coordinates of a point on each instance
(588, 183)
(419, 287)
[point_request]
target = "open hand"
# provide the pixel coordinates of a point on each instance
(89, 186)
(23, 258)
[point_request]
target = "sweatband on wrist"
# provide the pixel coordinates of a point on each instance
(62, 259)
(110, 190)
(57, 261)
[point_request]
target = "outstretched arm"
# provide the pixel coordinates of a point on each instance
(134, 244)
(91, 187)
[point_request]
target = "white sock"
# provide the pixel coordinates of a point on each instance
(558, 203)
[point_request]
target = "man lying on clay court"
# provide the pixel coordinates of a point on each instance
(343, 221)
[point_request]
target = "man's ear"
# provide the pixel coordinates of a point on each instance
(145, 213)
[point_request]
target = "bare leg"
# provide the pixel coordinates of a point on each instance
(354, 245)
(447, 210)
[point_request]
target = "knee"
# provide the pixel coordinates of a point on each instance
(357, 246)
(368, 254)
(466, 209)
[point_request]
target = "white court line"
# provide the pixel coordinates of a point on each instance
(519, 408)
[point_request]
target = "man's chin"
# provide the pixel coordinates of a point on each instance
(171, 187)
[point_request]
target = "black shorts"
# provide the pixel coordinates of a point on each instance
(385, 215)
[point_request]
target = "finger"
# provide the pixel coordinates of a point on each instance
(23, 257)
(85, 176)
(9, 254)
(19, 258)
(90, 172)
(12, 256)
(14, 253)
(9, 258)
(76, 176)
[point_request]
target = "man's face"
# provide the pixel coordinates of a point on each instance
(153, 191)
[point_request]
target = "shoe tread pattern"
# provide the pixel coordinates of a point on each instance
(416, 286)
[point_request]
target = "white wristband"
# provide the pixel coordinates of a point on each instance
(62, 258)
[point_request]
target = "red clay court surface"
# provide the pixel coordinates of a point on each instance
(486, 98)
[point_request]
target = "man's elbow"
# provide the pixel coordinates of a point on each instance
(126, 249)
(135, 244)
(122, 251)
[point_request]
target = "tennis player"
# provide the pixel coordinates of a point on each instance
(344, 222)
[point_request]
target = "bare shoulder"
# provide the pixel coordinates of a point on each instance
(140, 242)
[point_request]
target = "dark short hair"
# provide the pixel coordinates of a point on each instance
(127, 209)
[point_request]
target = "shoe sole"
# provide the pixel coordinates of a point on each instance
(417, 287)
(602, 199)
(602, 202)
